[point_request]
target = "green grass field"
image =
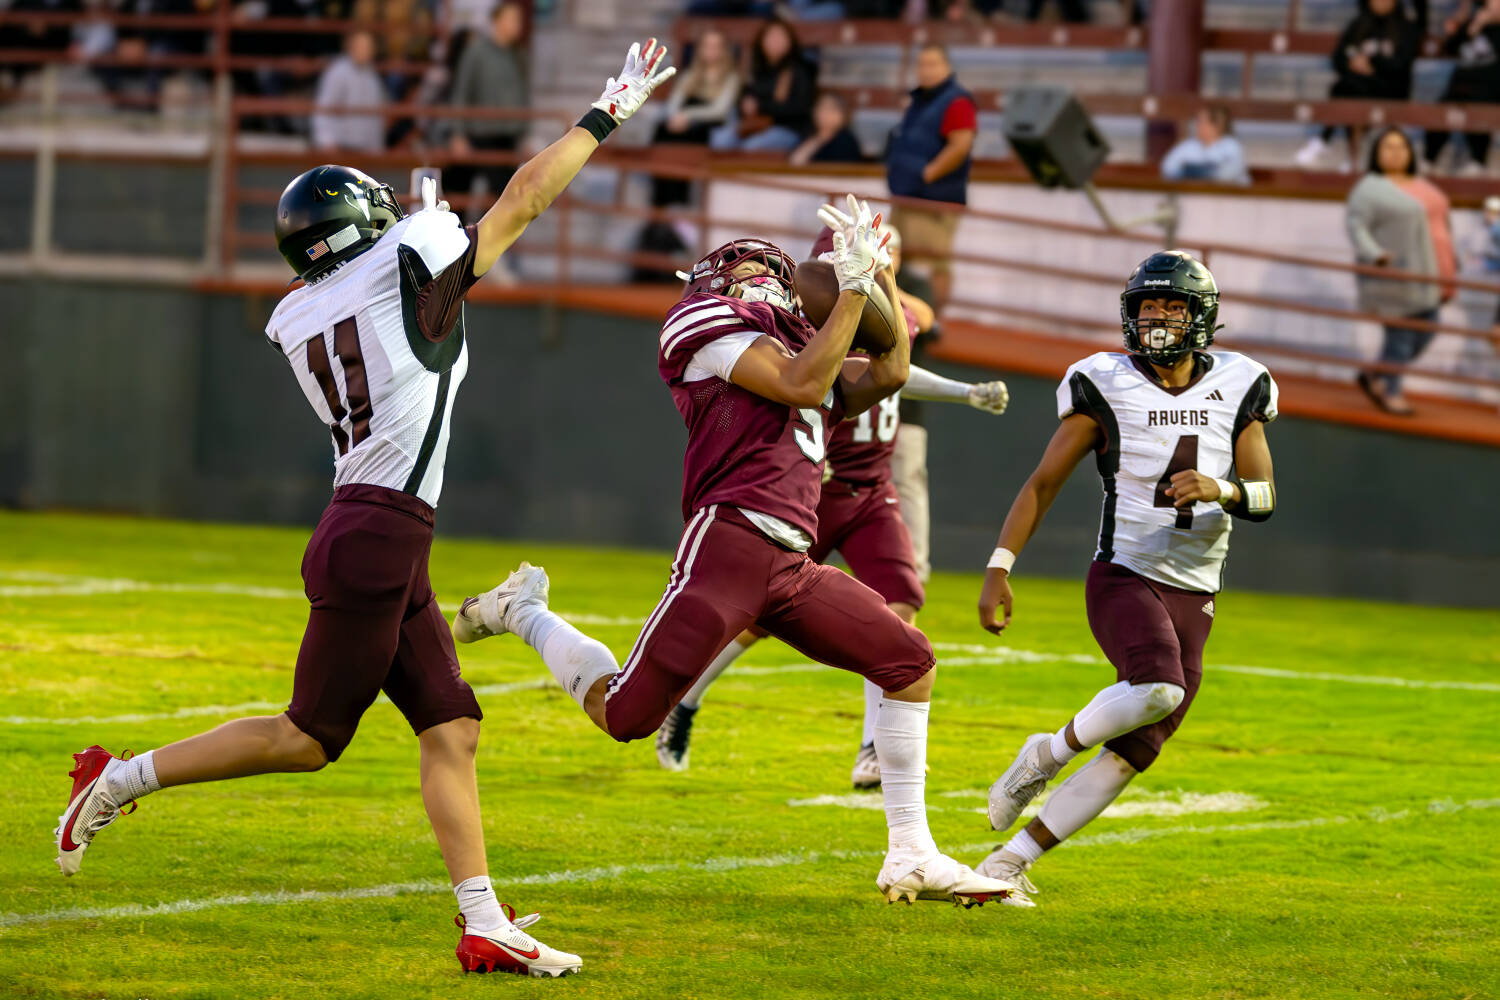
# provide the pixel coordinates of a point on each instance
(1306, 834)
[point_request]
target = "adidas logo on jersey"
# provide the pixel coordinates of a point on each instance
(1216, 394)
(1208, 609)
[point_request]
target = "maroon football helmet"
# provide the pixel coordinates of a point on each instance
(715, 272)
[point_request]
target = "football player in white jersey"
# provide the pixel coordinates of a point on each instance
(1178, 435)
(375, 337)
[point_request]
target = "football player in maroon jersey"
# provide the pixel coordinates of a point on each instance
(859, 516)
(758, 387)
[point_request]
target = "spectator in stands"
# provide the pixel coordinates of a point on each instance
(1473, 36)
(351, 81)
(1373, 60)
(491, 74)
(831, 139)
(36, 36)
(928, 156)
(1071, 11)
(1399, 220)
(731, 8)
(774, 104)
(1212, 153)
(702, 99)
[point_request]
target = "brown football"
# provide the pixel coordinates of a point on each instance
(818, 287)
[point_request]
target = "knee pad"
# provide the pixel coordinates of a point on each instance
(1162, 699)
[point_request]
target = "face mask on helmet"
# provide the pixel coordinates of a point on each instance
(1162, 338)
(764, 288)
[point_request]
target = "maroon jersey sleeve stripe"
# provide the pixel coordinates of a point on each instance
(687, 323)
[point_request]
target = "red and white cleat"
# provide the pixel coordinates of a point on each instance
(511, 949)
(90, 807)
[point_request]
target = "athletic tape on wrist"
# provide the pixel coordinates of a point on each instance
(1226, 491)
(598, 123)
(1259, 497)
(1001, 558)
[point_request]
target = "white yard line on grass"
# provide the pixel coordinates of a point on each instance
(248, 706)
(709, 867)
(34, 584)
(1155, 805)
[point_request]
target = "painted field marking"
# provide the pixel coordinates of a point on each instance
(35, 584)
(192, 711)
(709, 867)
(1155, 805)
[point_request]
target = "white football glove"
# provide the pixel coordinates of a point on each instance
(991, 397)
(858, 245)
(429, 196)
(624, 94)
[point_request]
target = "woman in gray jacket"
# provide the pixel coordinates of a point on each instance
(1399, 220)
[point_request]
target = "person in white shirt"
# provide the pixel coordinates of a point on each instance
(1211, 154)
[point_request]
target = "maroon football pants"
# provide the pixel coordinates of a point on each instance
(727, 576)
(375, 624)
(863, 524)
(1152, 633)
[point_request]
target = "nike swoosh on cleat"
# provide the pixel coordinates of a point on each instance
(534, 953)
(67, 834)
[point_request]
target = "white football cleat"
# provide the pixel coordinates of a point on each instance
(1020, 783)
(511, 949)
(939, 878)
(673, 737)
(483, 616)
(866, 773)
(90, 808)
(1008, 867)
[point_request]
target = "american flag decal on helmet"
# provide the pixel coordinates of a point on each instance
(317, 250)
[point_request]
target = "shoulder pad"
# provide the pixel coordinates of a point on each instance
(437, 237)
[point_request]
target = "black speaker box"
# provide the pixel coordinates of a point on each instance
(1053, 135)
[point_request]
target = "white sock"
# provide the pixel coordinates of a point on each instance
(1122, 707)
(901, 748)
(128, 780)
(1060, 750)
(1024, 846)
(721, 663)
(873, 695)
(1085, 794)
(576, 660)
(477, 902)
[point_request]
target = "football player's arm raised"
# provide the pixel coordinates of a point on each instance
(805, 379)
(541, 179)
(1075, 437)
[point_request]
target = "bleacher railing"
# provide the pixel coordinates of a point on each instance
(241, 258)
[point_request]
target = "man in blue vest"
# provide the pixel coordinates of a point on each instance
(928, 157)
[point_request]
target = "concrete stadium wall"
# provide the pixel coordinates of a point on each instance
(167, 402)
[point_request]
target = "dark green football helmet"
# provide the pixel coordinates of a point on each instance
(1170, 274)
(330, 215)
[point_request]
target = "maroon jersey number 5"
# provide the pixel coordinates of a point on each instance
(811, 437)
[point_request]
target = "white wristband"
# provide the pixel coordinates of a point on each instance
(1002, 558)
(1226, 491)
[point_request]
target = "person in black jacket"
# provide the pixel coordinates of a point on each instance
(1373, 60)
(775, 104)
(1473, 36)
(831, 139)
